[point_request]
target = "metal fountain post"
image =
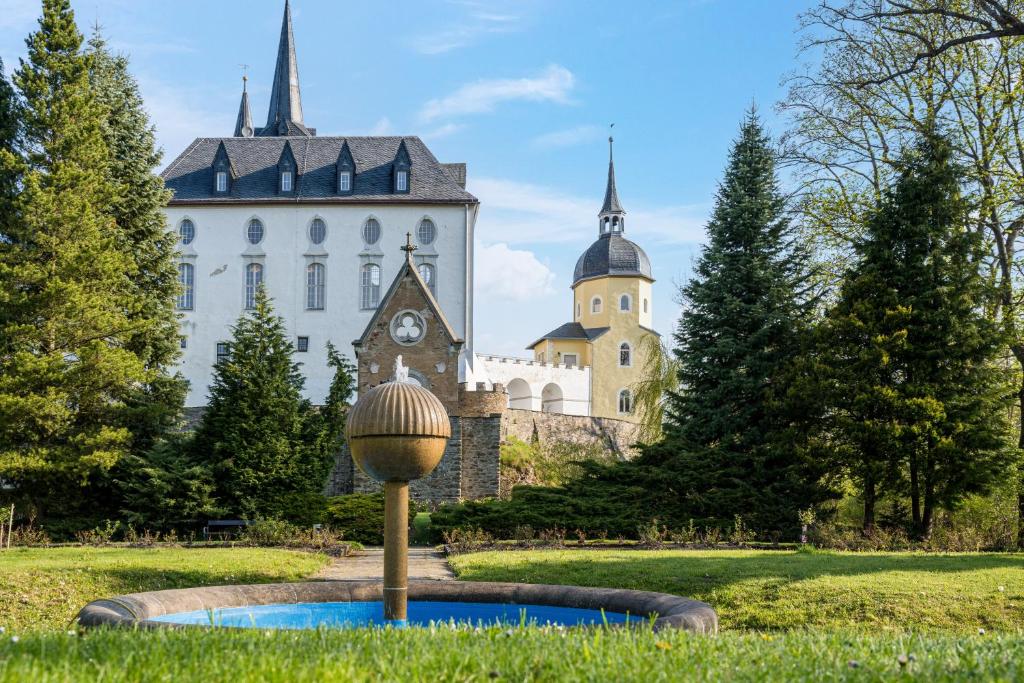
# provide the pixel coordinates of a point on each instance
(397, 432)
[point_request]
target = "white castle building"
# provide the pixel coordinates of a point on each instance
(320, 221)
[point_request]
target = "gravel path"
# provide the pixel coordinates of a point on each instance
(368, 565)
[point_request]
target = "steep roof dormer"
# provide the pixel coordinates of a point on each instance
(345, 168)
(287, 171)
(223, 171)
(401, 171)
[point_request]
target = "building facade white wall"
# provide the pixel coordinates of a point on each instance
(220, 252)
(536, 385)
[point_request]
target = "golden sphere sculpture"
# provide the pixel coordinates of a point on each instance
(397, 432)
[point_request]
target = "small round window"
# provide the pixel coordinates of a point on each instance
(371, 231)
(255, 232)
(426, 232)
(187, 231)
(317, 231)
(408, 327)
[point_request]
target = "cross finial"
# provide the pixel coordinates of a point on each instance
(409, 247)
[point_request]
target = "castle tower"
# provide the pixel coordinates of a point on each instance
(612, 312)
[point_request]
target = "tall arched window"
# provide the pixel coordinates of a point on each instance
(645, 305)
(624, 302)
(625, 355)
(625, 402)
(369, 285)
(595, 305)
(428, 273)
(253, 280)
(578, 307)
(315, 273)
(371, 231)
(186, 278)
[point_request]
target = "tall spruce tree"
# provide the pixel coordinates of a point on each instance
(729, 446)
(10, 146)
(64, 284)
(263, 441)
(141, 233)
(919, 400)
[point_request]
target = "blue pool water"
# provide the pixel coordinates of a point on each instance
(359, 614)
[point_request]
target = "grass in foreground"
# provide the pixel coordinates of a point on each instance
(770, 590)
(530, 654)
(43, 588)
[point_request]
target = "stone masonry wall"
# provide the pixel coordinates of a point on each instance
(617, 436)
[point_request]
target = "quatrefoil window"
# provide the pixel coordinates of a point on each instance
(408, 328)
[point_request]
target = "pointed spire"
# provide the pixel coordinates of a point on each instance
(408, 249)
(243, 125)
(285, 114)
(611, 194)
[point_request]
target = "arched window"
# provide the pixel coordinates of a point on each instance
(255, 231)
(625, 355)
(427, 272)
(625, 402)
(624, 302)
(371, 231)
(253, 280)
(186, 278)
(426, 233)
(578, 307)
(369, 282)
(315, 273)
(317, 231)
(187, 231)
(645, 305)
(595, 305)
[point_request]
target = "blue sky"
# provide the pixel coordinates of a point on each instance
(521, 91)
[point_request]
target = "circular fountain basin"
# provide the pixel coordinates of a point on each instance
(354, 604)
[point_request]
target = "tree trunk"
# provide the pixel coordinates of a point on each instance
(915, 494)
(1020, 465)
(928, 517)
(869, 505)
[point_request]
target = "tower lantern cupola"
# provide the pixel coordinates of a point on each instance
(612, 219)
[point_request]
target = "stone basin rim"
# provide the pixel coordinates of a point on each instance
(136, 610)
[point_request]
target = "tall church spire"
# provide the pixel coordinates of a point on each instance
(243, 124)
(612, 218)
(285, 114)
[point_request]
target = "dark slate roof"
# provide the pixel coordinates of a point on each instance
(243, 124)
(572, 331)
(612, 254)
(611, 193)
(254, 164)
(285, 112)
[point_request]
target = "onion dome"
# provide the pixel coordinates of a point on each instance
(612, 254)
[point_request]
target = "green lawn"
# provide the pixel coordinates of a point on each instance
(770, 590)
(43, 588)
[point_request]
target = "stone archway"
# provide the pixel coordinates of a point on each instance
(551, 399)
(520, 396)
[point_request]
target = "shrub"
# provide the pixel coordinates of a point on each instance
(280, 534)
(360, 517)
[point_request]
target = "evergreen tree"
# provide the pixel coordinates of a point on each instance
(910, 359)
(262, 440)
(64, 363)
(10, 145)
(142, 234)
(729, 446)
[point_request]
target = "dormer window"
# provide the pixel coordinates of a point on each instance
(401, 169)
(286, 181)
(222, 181)
(346, 166)
(286, 169)
(222, 171)
(345, 181)
(401, 181)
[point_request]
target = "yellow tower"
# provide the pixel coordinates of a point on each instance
(612, 312)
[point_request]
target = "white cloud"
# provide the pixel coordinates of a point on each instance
(523, 213)
(382, 127)
(506, 274)
(553, 84)
(180, 115)
(480, 20)
(442, 131)
(567, 137)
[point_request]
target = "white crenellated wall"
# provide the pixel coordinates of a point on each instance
(220, 252)
(530, 383)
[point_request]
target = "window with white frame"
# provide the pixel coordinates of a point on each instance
(625, 355)
(255, 231)
(317, 231)
(624, 302)
(401, 181)
(595, 305)
(302, 344)
(253, 280)
(222, 181)
(369, 285)
(315, 273)
(345, 181)
(426, 232)
(371, 231)
(428, 273)
(187, 231)
(186, 280)
(286, 181)
(625, 402)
